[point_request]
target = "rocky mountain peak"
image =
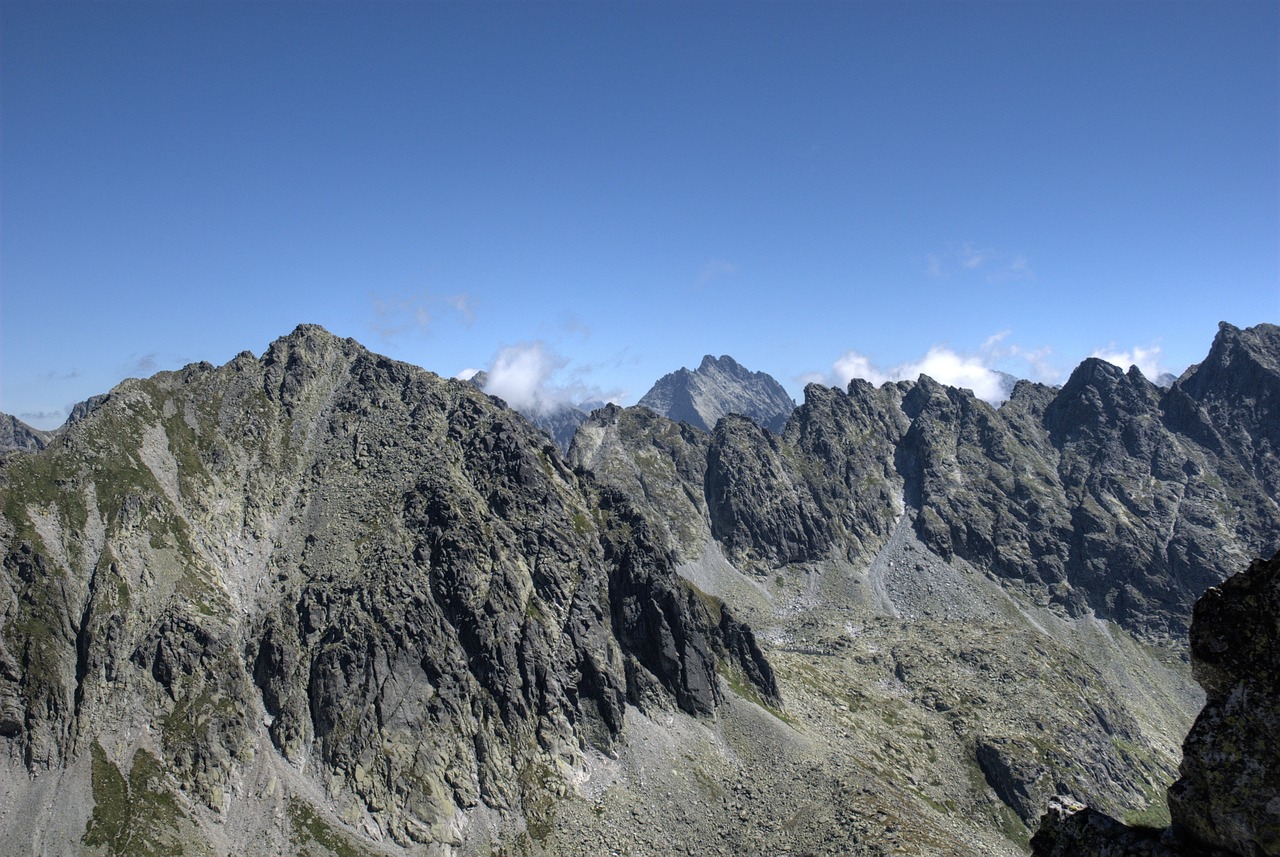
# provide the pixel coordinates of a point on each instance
(717, 387)
(386, 580)
(1100, 396)
(723, 363)
(1240, 363)
(17, 435)
(1233, 396)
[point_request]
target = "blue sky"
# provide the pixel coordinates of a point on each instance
(592, 195)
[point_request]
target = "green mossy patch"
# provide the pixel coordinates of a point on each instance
(312, 836)
(136, 815)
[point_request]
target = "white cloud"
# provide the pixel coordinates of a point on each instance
(851, 365)
(947, 367)
(714, 270)
(466, 374)
(519, 375)
(977, 371)
(1146, 359)
(940, 363)
(525, 376)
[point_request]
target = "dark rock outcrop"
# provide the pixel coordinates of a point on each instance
(1227, 799)
(1228, 795)
(15, 435)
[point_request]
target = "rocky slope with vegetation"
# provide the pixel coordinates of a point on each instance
(324, 602)
(325, 588)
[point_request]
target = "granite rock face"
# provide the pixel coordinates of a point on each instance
(1110, 495)
(719, 386)
(660, 464)
(321, 600)
(384, 581)
(1109, 502)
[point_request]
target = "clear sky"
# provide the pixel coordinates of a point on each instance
(591, 195)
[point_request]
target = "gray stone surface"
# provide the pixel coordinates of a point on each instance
(719, 386)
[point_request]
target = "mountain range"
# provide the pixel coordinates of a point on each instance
(320, 601)
(699, 397)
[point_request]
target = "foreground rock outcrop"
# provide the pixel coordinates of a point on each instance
(1227, 799)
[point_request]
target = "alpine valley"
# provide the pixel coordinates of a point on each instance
(323, 602)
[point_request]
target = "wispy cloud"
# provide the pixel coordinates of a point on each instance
(44, 416)
(461, 304)
(1148, 360)
(572, 325)
(715, 269)
(972, 257)
(967, 257)
(144, 365)
(416, 313)
(1036, 364)
(52, 376)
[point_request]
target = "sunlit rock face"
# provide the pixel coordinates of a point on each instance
(343, 576)
(719, 386)
(322, 601)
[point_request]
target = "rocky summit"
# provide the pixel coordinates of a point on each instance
(322, 587)
(719, 386)
(323, 602)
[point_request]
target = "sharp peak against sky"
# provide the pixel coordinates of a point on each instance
(599, 194)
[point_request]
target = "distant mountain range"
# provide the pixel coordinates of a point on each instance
(699, 398)
(321, 601)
